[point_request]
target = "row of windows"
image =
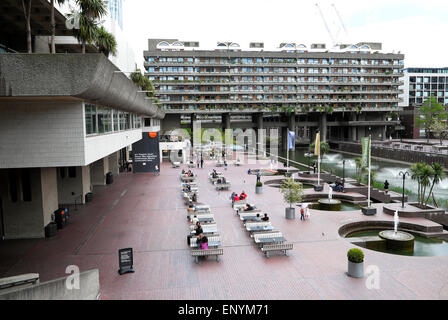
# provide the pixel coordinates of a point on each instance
(420, 100)
(276, 103)
(433, 86)
(274, 60)
(428, 93)
(276, 79)
(274, 96)
(99, 120)
(428, 79)
(271, 70)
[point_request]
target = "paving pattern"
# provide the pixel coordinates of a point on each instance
(147, 213)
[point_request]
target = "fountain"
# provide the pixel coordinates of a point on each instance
(329, 204)
(398, 240)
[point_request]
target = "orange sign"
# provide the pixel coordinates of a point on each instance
(152, 134)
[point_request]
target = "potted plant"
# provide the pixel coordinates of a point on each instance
(355, 263)
(259, 187)
(292, 193)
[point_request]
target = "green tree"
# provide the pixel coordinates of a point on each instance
(89, 14)
(430, 112)
(143, 82)
(438, 176)
(440, 129)
(292, 191)
(53, 24)
(423, 174)
(324, 147)
(106, 42)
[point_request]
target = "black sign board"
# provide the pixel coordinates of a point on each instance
(126, 260)
(146, 153)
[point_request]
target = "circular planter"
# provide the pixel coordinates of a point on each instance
(258, 190)
(290, 213)
(355, 270)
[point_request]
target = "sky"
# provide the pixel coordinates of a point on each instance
(414, 27)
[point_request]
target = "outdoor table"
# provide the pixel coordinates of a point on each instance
(207, 229)
(271, 240)
(259, 228)
(210, 244)
(204, 219)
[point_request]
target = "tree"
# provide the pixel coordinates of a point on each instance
(90, 12)
(430, 112)
(324, 147)
(27, 12)
(292, 191)
(143, 82)
(423, 174)
(53, 24)
(106, 42)
(440, 129)
(438, 176)
(359, 168)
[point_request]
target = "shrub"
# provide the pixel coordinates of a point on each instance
(259, 184)
(355, 255)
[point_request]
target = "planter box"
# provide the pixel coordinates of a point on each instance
(290, 213)
(355, 270)
(318, 188)
(368, 211)
(258, 190)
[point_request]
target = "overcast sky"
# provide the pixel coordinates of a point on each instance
(414, 27)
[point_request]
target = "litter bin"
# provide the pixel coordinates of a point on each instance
(51, 229)
(109, 178)
(89, 196)
(60, 218)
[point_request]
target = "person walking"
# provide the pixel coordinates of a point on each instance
(302, 213)
(202, 162)
(258, 176)
(386, 187)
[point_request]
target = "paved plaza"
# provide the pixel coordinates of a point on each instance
(146, 212)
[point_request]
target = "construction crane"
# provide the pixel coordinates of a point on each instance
(341, 21)
(326, 25)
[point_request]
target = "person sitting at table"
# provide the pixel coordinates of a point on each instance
(194, 219)
(248, 207)
(199, 240)
(243, 195)
(223, 180)
(265, 218)
(236, 198)
(194, 198)
(188, 188)
(204, 243)
(218, 181)
(190, 206)
(232, 197)
(183, 171)
(258, 218)
(198, 228)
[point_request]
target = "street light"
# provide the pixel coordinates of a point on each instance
(401, 173)
(343, 173)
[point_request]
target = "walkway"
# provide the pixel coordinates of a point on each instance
(146, 212)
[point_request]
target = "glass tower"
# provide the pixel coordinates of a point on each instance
(116, 11)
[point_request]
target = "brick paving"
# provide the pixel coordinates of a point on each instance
(147, 213)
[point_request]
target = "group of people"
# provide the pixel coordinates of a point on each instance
(188, 173)
(221, 180)
(201, 240)
(338, 186)
(304, 212)
(235, 197)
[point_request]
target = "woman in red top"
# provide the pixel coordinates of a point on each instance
(236, 198)
(243, 196)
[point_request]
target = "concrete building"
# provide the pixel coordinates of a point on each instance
(66, 122)
(344, 93)
(418, 85)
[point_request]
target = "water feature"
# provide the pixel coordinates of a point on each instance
(397, 240)
(332, 162)
(423, 247)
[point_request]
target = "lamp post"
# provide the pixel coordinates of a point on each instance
(401, 173)
(343, 173)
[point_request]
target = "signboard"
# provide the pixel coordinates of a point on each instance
(125, 260)
(365, 151)
(146, 153)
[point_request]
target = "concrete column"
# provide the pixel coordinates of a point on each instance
(27, 215)
(225, 121)
(98, 171)
(323, 126)
(73, 188)
(195, 135)
(352, 130)
(113, 163)
(257, 119)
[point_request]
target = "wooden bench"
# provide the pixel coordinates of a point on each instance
(267, 248)
(196, 253)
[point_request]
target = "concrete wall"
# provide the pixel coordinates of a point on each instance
(89, 288)
(113, 163)
(41, 134)
(49, 193)
(26, 219)
(98, 172)
(71, 189)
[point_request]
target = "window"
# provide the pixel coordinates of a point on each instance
(104, 116)
(90, 118)
(116, 121)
